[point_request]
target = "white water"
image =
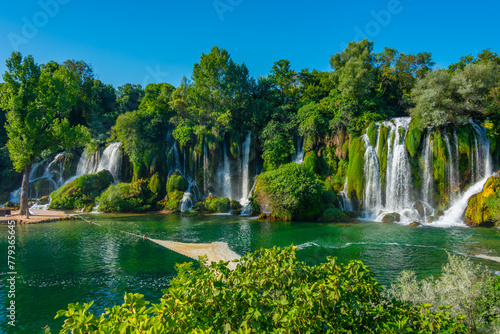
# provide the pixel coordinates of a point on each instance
(225, 175)
(245, 169)
(455, 214)
(298, 156)
(399, 192)
(372, 196)
(110, 159)
(345, 203)
(52, 173)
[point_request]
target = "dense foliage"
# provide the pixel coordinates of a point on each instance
(270, 291)
(81, 192)
(323, 113)
(290, 192)
(127, 197)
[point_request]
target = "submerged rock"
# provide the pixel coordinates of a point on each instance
(391, 218)
(483, 209)
(414, 224)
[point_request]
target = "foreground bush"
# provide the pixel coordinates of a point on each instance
(81, 192)
(290, 193)
(270, 291)
(467, 289)
(127, 197)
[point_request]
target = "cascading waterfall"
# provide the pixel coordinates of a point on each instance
(225, 175)
(52, 174)
(398, 175)
(345, 203)
(110, 159)
(398, 192)
(298, 156)
(205, 168)
(245, 169)
(372, 197)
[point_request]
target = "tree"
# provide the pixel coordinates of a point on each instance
(129, 97)
(353, 75)
(37, 103)
(283, 78)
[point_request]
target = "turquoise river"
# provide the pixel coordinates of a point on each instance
(72, 261)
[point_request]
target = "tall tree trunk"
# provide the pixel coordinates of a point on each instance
(25, 189)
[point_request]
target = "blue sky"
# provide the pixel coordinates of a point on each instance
(159, 41)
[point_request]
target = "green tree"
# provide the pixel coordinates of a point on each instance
(128, 97)
(38, 104)
(283, 78)
(353, 72)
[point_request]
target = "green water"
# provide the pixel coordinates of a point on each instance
(70, 261)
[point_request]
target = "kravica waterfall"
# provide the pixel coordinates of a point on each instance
(49, 175)
(393, 185)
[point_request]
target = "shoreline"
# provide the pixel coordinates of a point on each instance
(38, 217)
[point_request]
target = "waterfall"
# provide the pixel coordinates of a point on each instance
(398, 174)
(245, 169)
(205, 169)
(52, 173)
(298, 156)
(110, 159)
(399, 193)
(428, 173)
(177, 161)
(345, 203)
(372, 196)
(452, 168)
(225, 175)
(191, 196)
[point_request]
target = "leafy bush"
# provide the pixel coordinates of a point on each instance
(127, 197)
(335, 215)
(356, 168)
(290, 192)
(172, 200)
(81, 192)
(214, 204)
(176, 182)
(270, 291)
(467, 289)
(235, 205)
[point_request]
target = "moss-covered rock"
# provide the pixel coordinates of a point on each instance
(371, 132)
(214, 204)
(235, 205)
(335, 215)
(355, 170)
(127, 197)
(81, 192)
(176, 182)
(172, 200)
(310, 161)
(391, 218)
(483, 209)
(413, 138)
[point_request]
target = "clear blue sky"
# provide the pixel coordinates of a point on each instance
(159, 41)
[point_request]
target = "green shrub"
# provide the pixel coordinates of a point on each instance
(270, 291)
(172, 200)
(290, 192)
(176, 182)
(235, 205)
(467, 289)
(127, 197)
(310, 161)
(156, 184)
(214, 204)
(81, 192)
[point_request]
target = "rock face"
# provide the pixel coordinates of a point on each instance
(483, 209)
